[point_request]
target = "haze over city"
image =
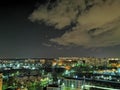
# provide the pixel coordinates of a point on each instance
(53, 28)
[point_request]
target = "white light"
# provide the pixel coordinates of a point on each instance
(33, 68)
(76, 76)
(72, 86)
(63, 84)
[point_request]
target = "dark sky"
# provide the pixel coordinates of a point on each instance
(20, 37)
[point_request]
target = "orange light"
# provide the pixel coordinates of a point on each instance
(60, 63)
(54, 63)
(67, 67)
(18, 89)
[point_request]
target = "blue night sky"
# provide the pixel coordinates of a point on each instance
(53, 28)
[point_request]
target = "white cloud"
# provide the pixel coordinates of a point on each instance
(46, 44)
(98, 26)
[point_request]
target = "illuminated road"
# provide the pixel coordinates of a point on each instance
(98, 87)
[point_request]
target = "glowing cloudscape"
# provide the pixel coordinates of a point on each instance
(97, 22)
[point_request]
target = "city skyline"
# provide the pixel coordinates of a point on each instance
(54, 28)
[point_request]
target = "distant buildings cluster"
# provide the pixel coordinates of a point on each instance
(42, 71)
(92, 60)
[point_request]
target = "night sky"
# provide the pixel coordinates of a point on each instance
(53, 28)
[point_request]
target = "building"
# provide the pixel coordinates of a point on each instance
(53, 87)
(1, 81)
(72, 84)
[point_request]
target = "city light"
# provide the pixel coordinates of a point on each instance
(71, 74)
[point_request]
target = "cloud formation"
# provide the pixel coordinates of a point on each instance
(97, 22)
